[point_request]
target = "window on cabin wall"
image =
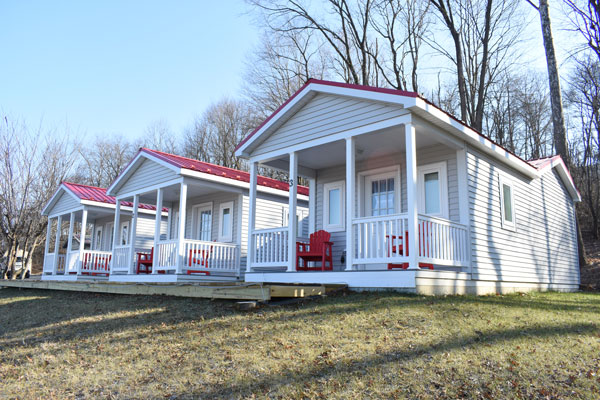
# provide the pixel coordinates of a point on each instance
(432, 185)
(111, 229)
(202, 221)
(507, 204)
(226, 222)
(98, 239)
(124, 233)
(333, 206)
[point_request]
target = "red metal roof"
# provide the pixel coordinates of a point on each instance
(217, 170)
(93, 193)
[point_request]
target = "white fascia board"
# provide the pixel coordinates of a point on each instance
(66, 212)
(395, 99)
(236, 183)
(564, 174)
(130, 169)
(477, 140)
(123, 208)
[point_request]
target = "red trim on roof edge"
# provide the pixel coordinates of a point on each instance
(98, 194)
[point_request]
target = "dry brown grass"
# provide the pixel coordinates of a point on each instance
(361, 345)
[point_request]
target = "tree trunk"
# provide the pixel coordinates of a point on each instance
(558, 121)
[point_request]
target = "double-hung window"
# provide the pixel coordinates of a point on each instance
(333, 206)
(226, 222)
(507, 204)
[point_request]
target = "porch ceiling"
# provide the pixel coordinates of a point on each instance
(199, 189)
(368, 146)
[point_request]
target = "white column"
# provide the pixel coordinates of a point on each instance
(312, 205)
(57, 244)
(69, 241)
(411, 196)
(293, 200)
(47, 244)
(169, 219)
(133, 233)
(82, 239)
(157, 222)
(117, 228)
(350, 201)
(181, 227)
(251, 215)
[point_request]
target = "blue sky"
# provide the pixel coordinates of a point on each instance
(115, 67)
(109, 67)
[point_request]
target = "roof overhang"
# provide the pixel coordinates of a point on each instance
(557, 163)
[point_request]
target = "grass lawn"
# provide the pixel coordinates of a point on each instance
(359, 345)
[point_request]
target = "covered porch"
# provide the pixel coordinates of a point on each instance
(180, 244)
(393, 199)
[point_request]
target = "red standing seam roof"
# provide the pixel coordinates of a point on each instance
(93, 193)
(218, 170)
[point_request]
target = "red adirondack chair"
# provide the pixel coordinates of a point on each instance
(318, 249)
(399, 248)
(199, 257)
(144, 262)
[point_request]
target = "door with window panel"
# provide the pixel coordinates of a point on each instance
(203, 222)
(381, 195)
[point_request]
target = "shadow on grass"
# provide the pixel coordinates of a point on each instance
(274, 381)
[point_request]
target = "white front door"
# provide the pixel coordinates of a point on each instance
(381, 194)
(202, 215)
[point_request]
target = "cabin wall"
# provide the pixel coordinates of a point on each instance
(426, 155)
(148, 172)
(326, 115)
(144, 230)
(65, 204)
(543, 249)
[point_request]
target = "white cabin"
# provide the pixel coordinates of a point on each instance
(207, 218)
(81, 211)
(414, 199)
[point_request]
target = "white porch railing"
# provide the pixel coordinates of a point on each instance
(95, 262)
(121, 259)
(380, 239)
(270, 247)
(443, 242)
(48, 263)
(165, 255)
(208, 257)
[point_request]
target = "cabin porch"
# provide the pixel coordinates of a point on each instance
(407, 216)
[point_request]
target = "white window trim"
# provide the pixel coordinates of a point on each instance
(326, 188)
(511, 226)
(442, 169)
(364, 187)
(128, 236)
(98, 246)
(110, 228)
(228, 237)
(196, 210)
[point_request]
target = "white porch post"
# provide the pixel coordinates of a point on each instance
(251, 216)
(47, 244)
(169, 218)
(157, 222)
(57, 244)
(117, 228)
(293, 200)
(70, 241)
(411, 196)
(82, 239)
(133, 233)
(181, 227)
(350, 201)
(312, 203)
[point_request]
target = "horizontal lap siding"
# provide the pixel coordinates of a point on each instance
(327, 115)
(543, 249)
(147, 174)
(65, 204)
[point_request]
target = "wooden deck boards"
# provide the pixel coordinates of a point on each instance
(208, 290)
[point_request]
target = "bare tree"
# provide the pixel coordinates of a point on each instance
(585, 18)
(196, 140)
(33, 165)
(103, 160)
(158, 136)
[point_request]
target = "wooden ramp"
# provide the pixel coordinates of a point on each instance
(207, 290)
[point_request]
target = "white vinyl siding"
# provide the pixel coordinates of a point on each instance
(144, 239)
(543, 249)
(148, 173)
(326, 115)
(65, 204)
